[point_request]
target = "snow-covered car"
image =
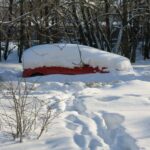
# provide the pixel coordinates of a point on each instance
(70, 59)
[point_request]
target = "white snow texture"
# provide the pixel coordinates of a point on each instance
(68, 55)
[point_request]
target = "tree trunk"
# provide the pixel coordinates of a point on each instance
(125, 39)
(107, 7)
(21, 45)
(86, 24)
(29, 28)
(9, 30)
(83, 39)
(0, 49)
(95, 42)
(147, 34)
(147, 46)
(46, 11)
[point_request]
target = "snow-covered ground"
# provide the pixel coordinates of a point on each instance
(99, 111)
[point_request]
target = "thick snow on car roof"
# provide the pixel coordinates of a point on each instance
(70, 55)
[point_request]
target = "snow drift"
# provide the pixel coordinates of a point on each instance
(71, 55)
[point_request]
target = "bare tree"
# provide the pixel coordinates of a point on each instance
(111, 25)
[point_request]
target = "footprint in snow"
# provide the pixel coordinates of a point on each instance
(80, 140)
(95, 145)
(77, 123)
(110, 128)
(71, 126)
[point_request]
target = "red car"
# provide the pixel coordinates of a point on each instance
(69, 59)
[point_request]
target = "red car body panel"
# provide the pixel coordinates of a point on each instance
(63, 70)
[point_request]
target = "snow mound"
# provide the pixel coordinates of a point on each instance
(72, 55)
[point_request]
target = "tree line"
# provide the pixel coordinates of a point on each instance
(118, 26)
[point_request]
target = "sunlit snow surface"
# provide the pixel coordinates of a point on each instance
(71, 55)
(99, 111)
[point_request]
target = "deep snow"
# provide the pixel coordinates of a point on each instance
(99, 111)
(72, 55)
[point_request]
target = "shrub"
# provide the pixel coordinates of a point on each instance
(22, 113)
